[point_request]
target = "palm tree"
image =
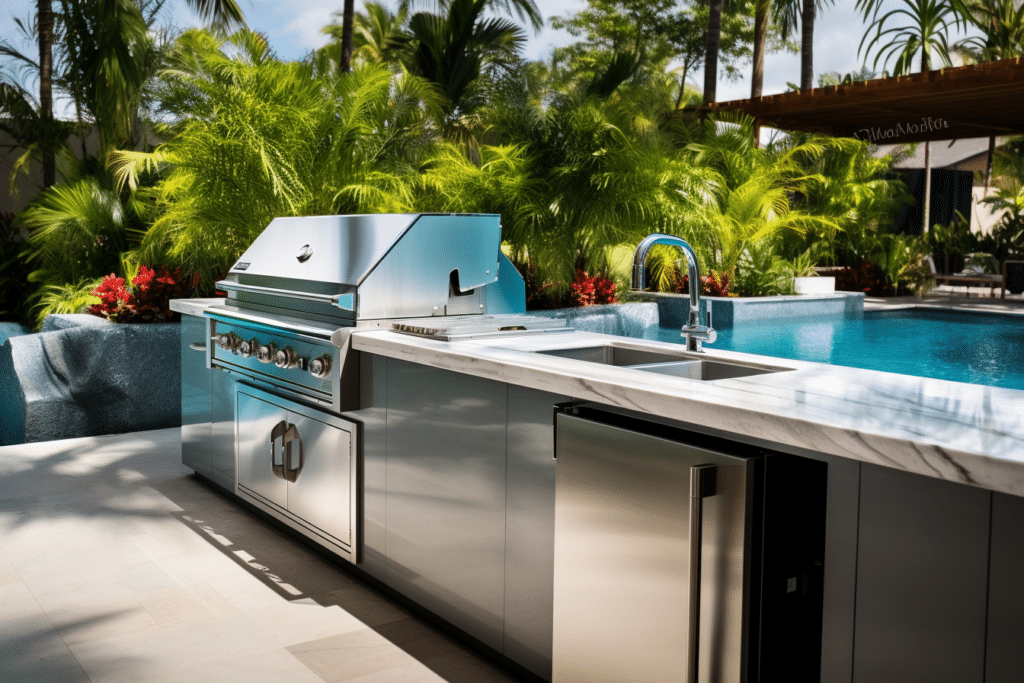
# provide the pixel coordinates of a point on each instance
(450, 51)
(256, 138)
(926, 30)
(44, 19)
(711, 50)
(347, 15)
(1001, 23)
(52, 27)
(788, 15)
(377, 34)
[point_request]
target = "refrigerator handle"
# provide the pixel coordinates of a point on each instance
(702, 485)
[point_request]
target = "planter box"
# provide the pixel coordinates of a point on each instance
(815, 285)
(625, 320)
(84, 376)
(729, 311)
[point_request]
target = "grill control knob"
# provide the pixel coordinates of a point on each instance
(227, 341)
(248, 349)
(287, 358)
(320, 367)
(266, 353)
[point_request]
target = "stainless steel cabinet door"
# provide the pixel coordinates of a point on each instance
(260, 448)
(622, 592)
(195, 394)
(320, 493)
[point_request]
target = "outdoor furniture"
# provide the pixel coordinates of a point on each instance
(990, 280)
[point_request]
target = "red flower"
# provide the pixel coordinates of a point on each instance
(148, 302)
(144, 278)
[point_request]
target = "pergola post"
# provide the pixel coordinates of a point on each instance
(927, 187)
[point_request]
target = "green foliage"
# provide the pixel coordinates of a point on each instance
(760, 272)
(257, 138)
(572, 180)
(926, 30)
(64, 298)
(451, 50)
(750, 199)
(1001, 23)
(660, 32)
(77, 231)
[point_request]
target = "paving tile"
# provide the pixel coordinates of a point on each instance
(352, 655)
(115, 564)
(8, 574)
(158, 654)
(95, 614)
(467, 667)
(276, 666)
(17, 602)
(181, 605)
(292, 622)
(32, 652)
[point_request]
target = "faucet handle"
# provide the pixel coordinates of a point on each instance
(696, 335)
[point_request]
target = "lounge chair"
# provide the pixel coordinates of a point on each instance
(971, 278)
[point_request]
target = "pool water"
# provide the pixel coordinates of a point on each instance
(8, 330)
(962, 347)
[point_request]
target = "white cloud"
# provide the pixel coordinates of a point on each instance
(307, 24)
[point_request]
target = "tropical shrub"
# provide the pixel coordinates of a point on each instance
(255, 138)
(761, 272)
(147, 300)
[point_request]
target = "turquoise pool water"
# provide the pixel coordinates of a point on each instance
(963, 347)
(8, 330)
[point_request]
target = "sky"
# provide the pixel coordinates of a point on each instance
(293, 28)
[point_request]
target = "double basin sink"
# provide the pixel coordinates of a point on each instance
(687, 365)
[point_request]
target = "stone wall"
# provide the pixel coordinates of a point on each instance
(83, 376)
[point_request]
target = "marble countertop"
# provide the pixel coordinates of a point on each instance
(194, 306)
(966, 433)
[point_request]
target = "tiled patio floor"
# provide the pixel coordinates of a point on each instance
(117, 566)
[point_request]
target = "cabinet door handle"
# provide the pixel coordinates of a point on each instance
(291, 472)
(702, 485)
(278, 432)
(197, 346)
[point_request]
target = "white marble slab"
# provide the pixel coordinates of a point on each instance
(966, 433)
(194, 306)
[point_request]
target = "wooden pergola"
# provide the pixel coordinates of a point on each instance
(980, 100)
(976, 101)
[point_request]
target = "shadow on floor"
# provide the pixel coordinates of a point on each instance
(297, 573)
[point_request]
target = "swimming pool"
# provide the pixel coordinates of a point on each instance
(960, 346)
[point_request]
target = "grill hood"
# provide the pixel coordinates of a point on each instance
(381, 266)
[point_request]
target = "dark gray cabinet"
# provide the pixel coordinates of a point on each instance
(1004, 661)
(922, 580)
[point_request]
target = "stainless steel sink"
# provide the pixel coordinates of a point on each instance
(613, 355)
(684, 364)
(707, 370)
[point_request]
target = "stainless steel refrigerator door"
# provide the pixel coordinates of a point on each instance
(622, 595)
(321, 492)
(258, 451)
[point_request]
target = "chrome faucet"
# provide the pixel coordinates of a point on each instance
(693, 331)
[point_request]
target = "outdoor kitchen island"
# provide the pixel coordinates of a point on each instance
(925, 479)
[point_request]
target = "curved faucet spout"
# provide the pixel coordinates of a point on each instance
(694, 331)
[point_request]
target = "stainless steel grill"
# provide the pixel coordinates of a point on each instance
(305, 278)
(283, 332)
